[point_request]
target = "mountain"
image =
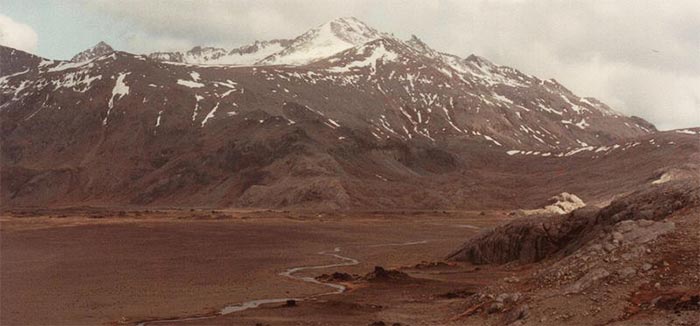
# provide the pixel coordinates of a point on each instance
(320, 42)
(244, 55)
(98, 50)
(341, 117)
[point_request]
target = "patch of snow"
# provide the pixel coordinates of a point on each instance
(492, 140)
(501, 98)
(333, 122)
(578, 150)
(120, 89)
(210, 114)
(64, 65)
(381, 177)
(378, 53)
(687, 132)
(548, 109)
(158, 119)
(666, 177)
(189, 83)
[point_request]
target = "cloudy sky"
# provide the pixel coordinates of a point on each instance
(641, 57)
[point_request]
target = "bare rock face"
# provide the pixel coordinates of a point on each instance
(630, 220)
(630, 232)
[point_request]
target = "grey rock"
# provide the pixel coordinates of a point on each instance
(587, 280)
(609, 247)
(515, 315)
(495, 307)
(617, 236)
(626, 272)
(596, 247)
(508, 297)
(626, 226)
(645, 223)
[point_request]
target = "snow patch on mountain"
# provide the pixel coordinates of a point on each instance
(120, 89)
(79, 81)
(688, 132)
(375, 55)
(210, 114)
(189, 83)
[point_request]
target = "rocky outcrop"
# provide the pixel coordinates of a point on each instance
(536, 238)
(380, 274)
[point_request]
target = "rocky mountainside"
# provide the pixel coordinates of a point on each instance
(342, 116)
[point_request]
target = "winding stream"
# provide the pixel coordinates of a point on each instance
(337, 288)
(289, 273)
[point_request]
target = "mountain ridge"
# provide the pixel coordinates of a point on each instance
(369, 126)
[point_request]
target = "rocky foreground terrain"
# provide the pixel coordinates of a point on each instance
(634, 262)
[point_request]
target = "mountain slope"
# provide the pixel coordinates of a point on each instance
(384, 123)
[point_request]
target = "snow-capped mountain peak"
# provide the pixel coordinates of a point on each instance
(98, 50)
(352, 30)
(324, 41)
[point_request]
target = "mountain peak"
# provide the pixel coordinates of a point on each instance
(418, 44)
(98, 50)
(351, 30)
(325, 40)
(347, 19)
(102, 44)
(480, 61)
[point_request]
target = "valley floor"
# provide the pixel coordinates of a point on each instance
(97, 267)
(88, 267)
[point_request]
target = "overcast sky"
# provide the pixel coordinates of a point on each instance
(640, 57)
